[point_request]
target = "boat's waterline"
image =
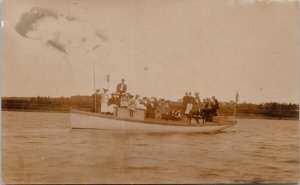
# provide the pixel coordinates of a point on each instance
(87, 120)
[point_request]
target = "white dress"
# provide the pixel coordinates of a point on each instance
(104, 103)
(188, 109)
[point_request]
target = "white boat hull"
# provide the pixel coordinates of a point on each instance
(88, 120)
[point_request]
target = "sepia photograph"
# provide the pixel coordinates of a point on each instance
(150, 92)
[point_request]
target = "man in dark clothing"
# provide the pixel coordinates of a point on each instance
(197, 106)
(185, 101)
(149, 110)
(207, 109)
(122, 87)
(215, 106)
(114, 99)
(96, 101)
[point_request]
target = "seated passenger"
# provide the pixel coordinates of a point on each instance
(140, 105)
(114, 99)
(174, 115)
(113, 104)
(112, 109)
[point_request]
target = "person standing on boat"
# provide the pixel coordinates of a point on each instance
(196, 109)
(132, 104)
(96, 101)
(149, 109)
(122, 87)
(185, 101)
(104, 101)
(189, 106)
(215, 106)
(208, 110)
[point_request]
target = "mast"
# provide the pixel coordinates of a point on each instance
(235, 105)
(95, 104)
(107, 80)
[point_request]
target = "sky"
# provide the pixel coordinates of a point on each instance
(161, 48)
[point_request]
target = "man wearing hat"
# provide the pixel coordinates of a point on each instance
(114, 99)
(185, 101)
(190, 100)
(104, 101)
(196, 109)
(96, 100)
(215, 106)
(132, 104)
(122, 87)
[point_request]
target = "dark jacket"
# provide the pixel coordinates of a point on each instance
(114, 100)
(184, 102)
(119, 88)
(216, 104)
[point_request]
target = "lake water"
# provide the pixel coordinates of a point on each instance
(41, 148)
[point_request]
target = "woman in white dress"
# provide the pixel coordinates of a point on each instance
(104, 101)
(132, 104)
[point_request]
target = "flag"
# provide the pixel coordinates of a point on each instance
(107, 78)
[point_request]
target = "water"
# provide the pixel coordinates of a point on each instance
(41, 148)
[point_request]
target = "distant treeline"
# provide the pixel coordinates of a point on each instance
(61, 104)
(270, 109)
(65, 104)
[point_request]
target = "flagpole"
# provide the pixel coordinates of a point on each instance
(95, 104)
(235, 105)
(107, 80)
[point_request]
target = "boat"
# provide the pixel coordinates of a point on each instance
(122, 121)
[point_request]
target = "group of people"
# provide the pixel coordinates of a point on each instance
(120, 98)
(192, 106)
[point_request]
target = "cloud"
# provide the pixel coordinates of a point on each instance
(66, 34)
(101, 35)
(28, 19)
(56, 45)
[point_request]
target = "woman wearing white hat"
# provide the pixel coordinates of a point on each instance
(104, 101)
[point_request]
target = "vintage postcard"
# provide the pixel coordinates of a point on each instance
(143, 91)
